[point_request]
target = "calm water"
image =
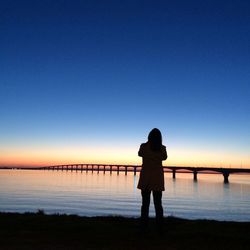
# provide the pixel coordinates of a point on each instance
(93, 194)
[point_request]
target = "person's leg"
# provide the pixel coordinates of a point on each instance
(157, 195)
(145, 207)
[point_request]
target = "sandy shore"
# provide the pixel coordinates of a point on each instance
(39, 231)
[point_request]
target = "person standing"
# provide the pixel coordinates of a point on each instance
(152, 176)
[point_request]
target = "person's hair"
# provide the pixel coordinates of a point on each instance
(155, 139)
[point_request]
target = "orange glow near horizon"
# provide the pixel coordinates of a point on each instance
(63, 155)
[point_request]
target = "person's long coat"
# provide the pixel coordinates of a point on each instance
(151, 175)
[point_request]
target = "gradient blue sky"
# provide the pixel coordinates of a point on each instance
(87, 80)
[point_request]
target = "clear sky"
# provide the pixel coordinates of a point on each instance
(85, 81)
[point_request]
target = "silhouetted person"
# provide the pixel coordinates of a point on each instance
(152, 176)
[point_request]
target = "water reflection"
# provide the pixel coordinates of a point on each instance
(94, 194)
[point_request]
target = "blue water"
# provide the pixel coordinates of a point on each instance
(93, 194)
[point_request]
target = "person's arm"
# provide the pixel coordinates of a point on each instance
(141, 151)
(145, 153)
(164, 153)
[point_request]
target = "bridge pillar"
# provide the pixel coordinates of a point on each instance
(110, 169)
(126, 170)
(92, 168)
(98, 168)
(195, 175)
(118, 170)
(226, 175)
(134, 170)
(174, 171)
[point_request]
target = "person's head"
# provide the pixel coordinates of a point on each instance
(155, 139)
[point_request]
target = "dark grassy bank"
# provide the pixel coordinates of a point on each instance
(39, 231)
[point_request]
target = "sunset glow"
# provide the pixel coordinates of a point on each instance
(62, 155)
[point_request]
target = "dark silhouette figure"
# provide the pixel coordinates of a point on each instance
(152, 177)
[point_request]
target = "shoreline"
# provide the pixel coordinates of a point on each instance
(59, 231)
(137, 217)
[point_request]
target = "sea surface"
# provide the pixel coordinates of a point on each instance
(93, 194)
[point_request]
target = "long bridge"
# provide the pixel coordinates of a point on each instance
(136, 168)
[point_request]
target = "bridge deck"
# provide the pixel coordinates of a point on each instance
(136, 168)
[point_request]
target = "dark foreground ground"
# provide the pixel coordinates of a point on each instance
(39, 231)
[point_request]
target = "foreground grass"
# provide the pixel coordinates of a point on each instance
(39, 231)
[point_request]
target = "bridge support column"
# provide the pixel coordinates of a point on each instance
(110, 169)
(118, 170)
(134, 170)
(174, 171)
(195, 175)
(126, 170)
(92, 168)
(98, 168)
(226, 175)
